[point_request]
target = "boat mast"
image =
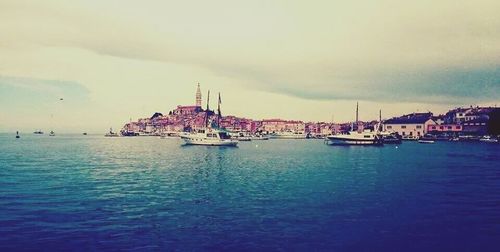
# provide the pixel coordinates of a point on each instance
(357, 118)
(206, 112)
(380, 120)
(218, 112)
(357, 108)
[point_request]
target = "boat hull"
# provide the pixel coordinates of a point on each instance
(426, 141)
(488, 140)
(346, 141)
(208, 142)
(289, 136)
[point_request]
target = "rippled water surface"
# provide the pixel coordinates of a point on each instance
(145, 193)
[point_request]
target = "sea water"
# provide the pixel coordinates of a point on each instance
(92, 193)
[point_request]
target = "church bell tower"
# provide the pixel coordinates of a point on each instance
(198, 96)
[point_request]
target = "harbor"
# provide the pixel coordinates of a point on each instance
(250, 126)
(459, 124)
(198, 126)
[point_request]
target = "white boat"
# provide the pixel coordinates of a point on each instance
(488, 139)
(425, 141)
(355, 138)
(259, 137)
(52, 133)
(409, 137)
(243, 136)
(169, 134)
(210, 137)
(289, 135)
(111, 133)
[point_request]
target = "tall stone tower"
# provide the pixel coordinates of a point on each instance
(198, 96)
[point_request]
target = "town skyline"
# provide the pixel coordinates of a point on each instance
(115, 61)
(201, 98)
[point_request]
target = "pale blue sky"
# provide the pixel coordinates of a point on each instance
(115, 60)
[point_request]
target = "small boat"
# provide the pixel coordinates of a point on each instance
(129, 133)
(17, 134)
(210, 137)
(390, 138)
(488, 139)
(289, 135)
(170, 134)
(469, 138)
(259, 137)
(84, 133)
(38, 132)
(111, 133)
(423, 141)
(365, 138)
(410, 138)
(52, 133)
(242, 137)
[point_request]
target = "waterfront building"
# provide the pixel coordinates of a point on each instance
(478, 126)
(444, 128)
(461, 115)
(280, 125)
(415, 125)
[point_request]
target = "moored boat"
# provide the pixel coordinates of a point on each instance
(390, 138)
(169, 134)
(38, 132)
(289, 135)
(409, 138)
(52, 133)
(423, 141)
(259, 137)
(242, 136)
(111, 133)
(365, 138)
(488, 139)
(210, 137)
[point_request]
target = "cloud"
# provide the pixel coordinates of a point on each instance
(441, 86)
(421, 51)
(21, 92)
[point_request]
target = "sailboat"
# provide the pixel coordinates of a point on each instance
(111, 133)
(17, 134)
(52, 133)
(208, 135)
(356, 137)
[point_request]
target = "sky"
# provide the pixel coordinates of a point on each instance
(112, 61)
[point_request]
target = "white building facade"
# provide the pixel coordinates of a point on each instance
(408, 127)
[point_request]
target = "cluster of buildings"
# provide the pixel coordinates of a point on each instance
(473, 120)
(476, 121)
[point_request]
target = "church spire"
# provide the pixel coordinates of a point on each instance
(198, 96)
